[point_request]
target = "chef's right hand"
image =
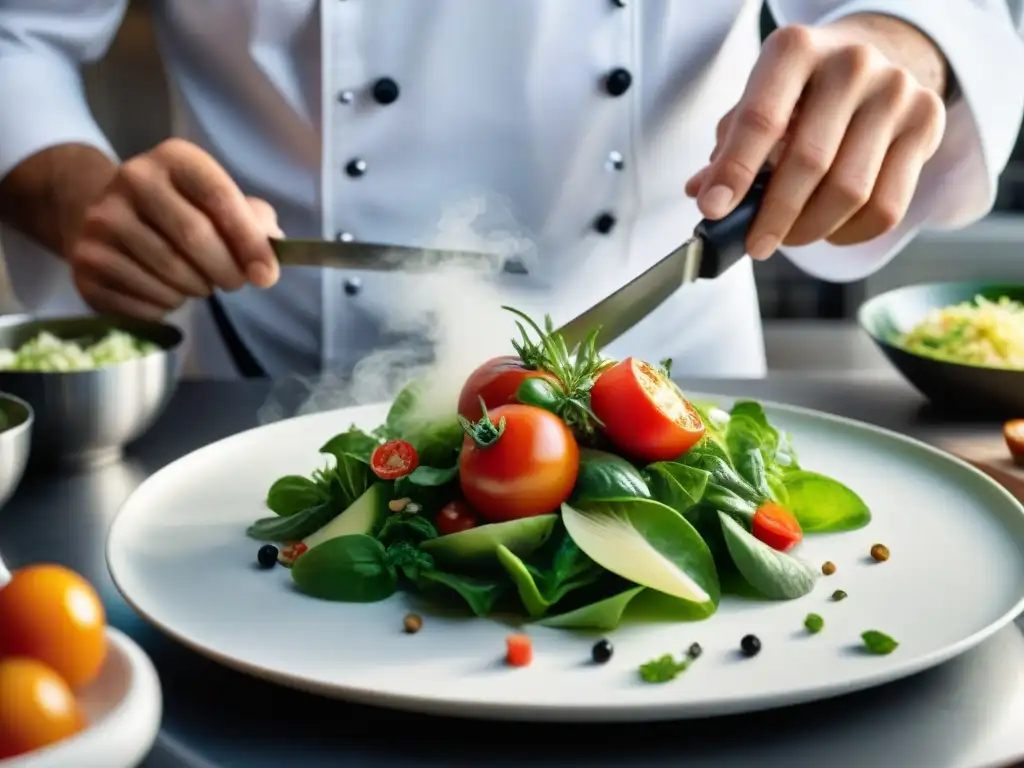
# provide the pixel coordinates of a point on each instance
(170, 226)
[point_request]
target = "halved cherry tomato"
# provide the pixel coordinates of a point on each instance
(518, 650)
(776, 527)
(1013, 431)
(644, 414)
(53, 615)
(518, 461)
(455, 516)
(496, 381)
(38, 707)
(394, 459)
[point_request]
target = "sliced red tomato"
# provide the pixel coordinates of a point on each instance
(496, 381)
(1013, 431)
(455, 516)
(394, 459)
(776, 527)
(518, 461)
(644, 414)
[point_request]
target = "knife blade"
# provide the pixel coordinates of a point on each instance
(338, 254)
(714, 247)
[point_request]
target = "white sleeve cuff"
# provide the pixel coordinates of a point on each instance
(44, 106)
(958, 185)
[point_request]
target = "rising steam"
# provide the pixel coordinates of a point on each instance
(450, 321)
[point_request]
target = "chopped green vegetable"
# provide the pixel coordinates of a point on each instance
(664, 669)
(839, 595)
(814, 623)
(878, 642)
(49, 354)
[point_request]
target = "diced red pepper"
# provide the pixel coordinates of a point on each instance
(776, 527)
(520, 651)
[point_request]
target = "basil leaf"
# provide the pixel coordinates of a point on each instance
(774, 574)
(437, 441)
(676, 485)
(481, 595)
(406, 527)
(822, 504)
(351, 569)
(647, 543)
(604, 475)
(354, 443)
(292, 494)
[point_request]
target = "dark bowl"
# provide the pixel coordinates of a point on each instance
(973, 388)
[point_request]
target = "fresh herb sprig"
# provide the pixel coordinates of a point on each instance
(576, 369)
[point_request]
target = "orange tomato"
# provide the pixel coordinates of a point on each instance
(52, 614)
(38, 707)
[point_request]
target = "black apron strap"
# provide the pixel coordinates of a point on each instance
(243, 359)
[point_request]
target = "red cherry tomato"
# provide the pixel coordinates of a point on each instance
(394, 459)
(644, 414)
(527, 468)
(455, 516)
(496, 381)
(776, 527)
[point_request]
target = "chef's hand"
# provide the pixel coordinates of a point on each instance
(846, 127)
(170, 225)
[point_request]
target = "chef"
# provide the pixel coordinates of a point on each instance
(598, 131)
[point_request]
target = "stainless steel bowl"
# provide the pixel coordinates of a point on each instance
(15, 445)
(85, 418)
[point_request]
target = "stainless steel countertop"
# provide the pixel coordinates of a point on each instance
(964, 714)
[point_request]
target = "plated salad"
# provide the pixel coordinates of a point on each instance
(565, 486)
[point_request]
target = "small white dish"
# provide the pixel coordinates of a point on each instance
(123, 707)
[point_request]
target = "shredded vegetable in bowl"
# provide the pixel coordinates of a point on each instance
(50, 354)
(980, 332)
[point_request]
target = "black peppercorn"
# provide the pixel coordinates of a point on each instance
(267, 556)
(750, 645)
(601, 652)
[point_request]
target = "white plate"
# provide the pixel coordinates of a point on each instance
(178, 554)
(123, 707)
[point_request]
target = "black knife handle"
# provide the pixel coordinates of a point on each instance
(725, 239)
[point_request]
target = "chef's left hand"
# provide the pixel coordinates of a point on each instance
(846, 129)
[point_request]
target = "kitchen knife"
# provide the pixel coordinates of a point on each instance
(339, 254)
(714, 247)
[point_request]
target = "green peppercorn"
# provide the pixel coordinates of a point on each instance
(838, 595)
(814, 623)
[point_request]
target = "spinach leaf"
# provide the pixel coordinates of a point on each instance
(354, 443)
(676, 485)
(351, 569)
(750, 466)
(292, 494)
(298, 526)
(647, 543)
(721, 474)
(529, 593)
(822, 504)
(604, 475)
(404, 526)
(481, 595)
(726, 501)
(775, 575)
(433, 476)
(602, 614)
(437, 441)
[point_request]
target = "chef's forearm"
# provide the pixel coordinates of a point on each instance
(45, 195)
(904, 45)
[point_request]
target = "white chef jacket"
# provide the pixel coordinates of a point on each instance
(503, 105)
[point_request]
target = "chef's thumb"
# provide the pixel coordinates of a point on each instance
(260, 273)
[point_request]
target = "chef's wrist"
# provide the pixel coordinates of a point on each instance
(46, 195)
(906, 46)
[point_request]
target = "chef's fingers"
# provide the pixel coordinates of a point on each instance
(761, 118)
(890, 198)
(110, 281)
(828, 104)
(114, 222)
(850, 183)
(185, 226)
(694, 184)
(267, 217)
(208, 187)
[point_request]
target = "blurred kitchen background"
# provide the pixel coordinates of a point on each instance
(129, 97)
